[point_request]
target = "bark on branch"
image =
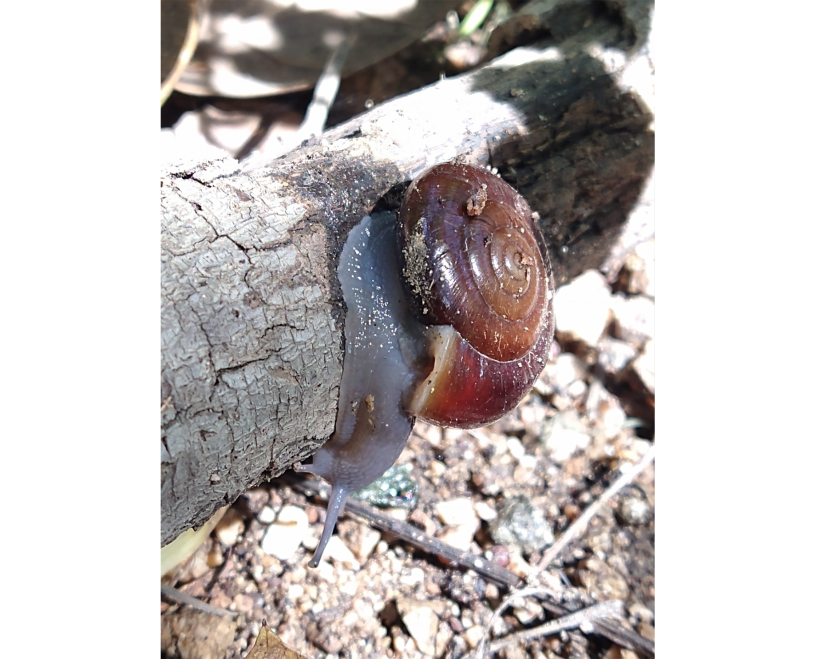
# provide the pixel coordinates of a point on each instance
(252, 314)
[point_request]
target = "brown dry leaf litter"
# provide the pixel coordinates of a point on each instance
(269, 646)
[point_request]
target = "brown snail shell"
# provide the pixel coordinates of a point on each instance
(480, 278)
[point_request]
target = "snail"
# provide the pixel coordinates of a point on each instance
(449, 320)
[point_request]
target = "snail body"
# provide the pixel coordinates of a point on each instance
(449, 320)
(372, 424)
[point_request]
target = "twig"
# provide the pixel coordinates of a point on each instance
(612, 630)
(604, 625)
(585, 619)
(508, 601)
(313, 124)
(579, 526)
(479, 435)
(325, 91)
(419, 538)
(218, 571)
(194, 602)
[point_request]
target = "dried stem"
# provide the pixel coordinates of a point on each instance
(580, 525)
(194, 602)
(325, 91)
(585, 619)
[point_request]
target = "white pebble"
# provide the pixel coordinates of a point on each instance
(422, 624)
(337, 551)
(282, 538)
(582, 307)
(266, 515)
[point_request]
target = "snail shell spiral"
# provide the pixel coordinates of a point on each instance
(479, 278)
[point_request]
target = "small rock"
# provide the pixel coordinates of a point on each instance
(243, 603)
(399, 642)
(271, 565)
(466, 589)
(647, 631)
(349, 588)
(641, 611)
(253, 500)
(364, 609)
(543, 384)
(413, 577)
(637, 277)
(601, 580)
(528, 612)
(350, 620)
(311, 540)
(456, 511)
(518, 564)
(604, 410)
(464, 55)
(633, 508)
(515, 652)
(565, 371)
(282, 538)
(576, 389)
(432, 434)
(484, 510)
(396, 488)
(521, 524)
(337, 551)
(492, 592)
(582, 307)
(460, 515)
(515, 448)
(474, 635)
(363, 542)
(614, 355)
(564, 435)
(215, 556)
(634, 318)
(266, 515)
(443, 638)
(398, 513)
(533, 416)
(230, 527)
(422, 624)
(460, 537)
(198, 565)
(500, 555)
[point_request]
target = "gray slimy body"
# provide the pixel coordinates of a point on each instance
(372, 425)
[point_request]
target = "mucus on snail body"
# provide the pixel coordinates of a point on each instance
(449, 320)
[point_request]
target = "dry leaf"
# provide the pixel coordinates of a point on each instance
(269, 646)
